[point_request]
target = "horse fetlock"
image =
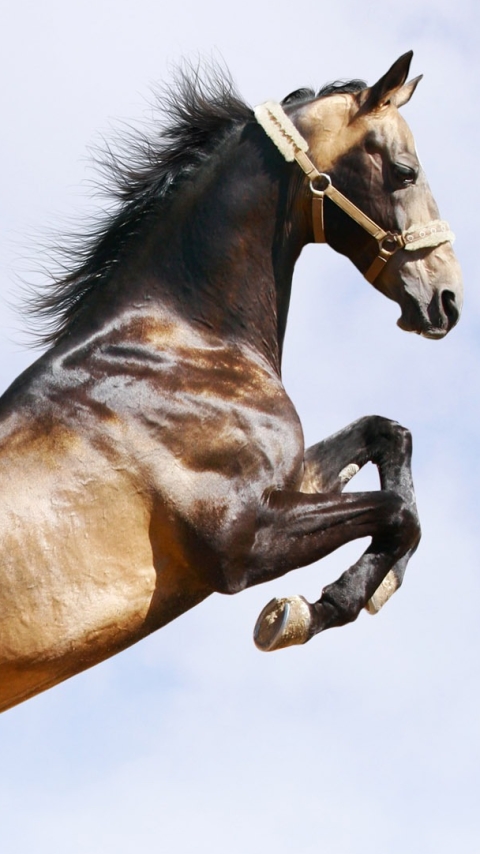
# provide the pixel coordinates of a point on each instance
(410, 526)
(402, 523)
(284, 622)
(338, 605)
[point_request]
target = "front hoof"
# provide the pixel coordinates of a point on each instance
(283, 622)
(382, 593)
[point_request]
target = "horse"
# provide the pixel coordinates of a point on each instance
(151, 456)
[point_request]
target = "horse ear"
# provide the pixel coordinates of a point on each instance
(405, 93)
(388, 86)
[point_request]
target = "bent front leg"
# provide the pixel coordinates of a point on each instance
(296, 529)
(330, 464)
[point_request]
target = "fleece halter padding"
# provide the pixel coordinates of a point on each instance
(292, 145)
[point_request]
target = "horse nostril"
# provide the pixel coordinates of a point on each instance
(450, 307)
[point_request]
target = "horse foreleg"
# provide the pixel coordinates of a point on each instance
(369, 583)
(330, 464)
(295, 529)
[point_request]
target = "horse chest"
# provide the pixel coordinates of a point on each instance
(239, 431)
(198, 413)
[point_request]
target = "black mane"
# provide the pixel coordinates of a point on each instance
(339, 87)
(199, 110)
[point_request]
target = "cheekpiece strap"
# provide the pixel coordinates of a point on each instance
(293, 146)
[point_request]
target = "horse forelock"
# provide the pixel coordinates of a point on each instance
(337, 87)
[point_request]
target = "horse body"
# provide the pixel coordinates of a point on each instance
(134, 536)
(152, 456)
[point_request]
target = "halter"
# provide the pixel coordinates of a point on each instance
(293, 146)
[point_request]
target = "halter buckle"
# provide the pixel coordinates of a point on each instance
(318, 194)
(387, 245)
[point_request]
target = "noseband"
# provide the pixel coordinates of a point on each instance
(293, 146)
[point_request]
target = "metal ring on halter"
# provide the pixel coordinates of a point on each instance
(396, 240)
(328, 184)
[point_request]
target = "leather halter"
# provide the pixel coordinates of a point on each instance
(293, 146)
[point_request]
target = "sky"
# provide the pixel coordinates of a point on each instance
(366, 739)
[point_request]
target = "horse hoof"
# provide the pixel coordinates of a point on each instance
(382, 593)
(283, 622)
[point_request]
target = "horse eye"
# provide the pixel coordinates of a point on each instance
(404, 174)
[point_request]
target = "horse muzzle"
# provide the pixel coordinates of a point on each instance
(429, 291)
(435, 319)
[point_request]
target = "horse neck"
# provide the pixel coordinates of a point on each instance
(223, 256)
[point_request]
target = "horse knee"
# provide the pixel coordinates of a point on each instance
(228, 583)
(390, 434)
(400, 438)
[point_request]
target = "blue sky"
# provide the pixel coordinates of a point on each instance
(366, 739)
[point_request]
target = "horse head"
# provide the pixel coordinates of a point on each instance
(361, 145)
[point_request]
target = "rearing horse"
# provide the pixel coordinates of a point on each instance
(151, 456)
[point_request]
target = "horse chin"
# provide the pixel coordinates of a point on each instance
(434, 334)
(426, 330)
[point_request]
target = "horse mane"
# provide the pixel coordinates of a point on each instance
(198, 111)
(337, 87)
